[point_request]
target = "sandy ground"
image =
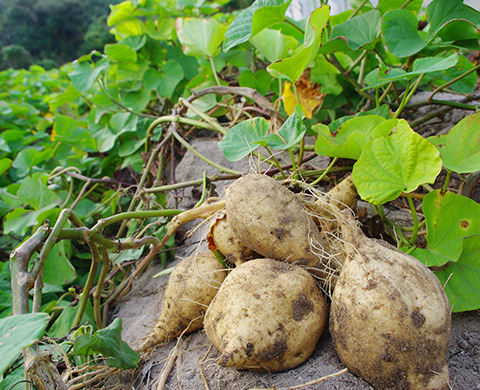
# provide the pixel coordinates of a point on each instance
(195, 367)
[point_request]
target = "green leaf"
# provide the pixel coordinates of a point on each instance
(18, 332)
(57, 269)
(200, 37)
(450, 218)
(84, 74)
(64, 323)
(459, 147)
(466, 84)
(30, 157)
(119, 53)
(5, 164)
(242, 139)
(260, 15)
(442, 12)
(172, 74)
(378, 78)
(34, 191)
(399, 27)
(66, 96)
(69, 131)
(398, 163)
(161, 29)
(109, 343)
(129, 27)
(293, 67)
(387, 5)
(400, 31)
(349, 140)
(462, 278)
(273, 45)
(291, 133)
(358, 32)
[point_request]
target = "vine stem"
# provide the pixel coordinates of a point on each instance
(413, 239)
(441, 87)
(88, 284)
(408, 95)
(320, 178)
(358, 9)
(447, 180)
(201, 156)
(204, 116)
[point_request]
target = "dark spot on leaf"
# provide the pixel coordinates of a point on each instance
(464, 224)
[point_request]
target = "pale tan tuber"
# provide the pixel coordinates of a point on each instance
(390, 317)
(267, 316)
(270, 220)
(222, 238)
(190, 289)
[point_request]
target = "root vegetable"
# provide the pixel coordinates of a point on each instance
(190, 289)
(270, 220)
(267, 316)
(343, 195)
(390, 317)
(222, 238)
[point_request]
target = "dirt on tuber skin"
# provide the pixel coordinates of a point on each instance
(390, 318)
(270, 220)
(267, 316)
(190, 289)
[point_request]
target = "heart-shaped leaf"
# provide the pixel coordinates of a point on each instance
(118, 52)
(260, 15)
(293, 67)
(394, 164)
(387, 5)
(109, 343)
(461, 278)
(350, 138)
(459, 147)
(291, 133)
(400, 31)
(18, 332)
(450, 218)
(359, 31)
(200, 37)
(272, 44)
(243, 138)
(442, 12)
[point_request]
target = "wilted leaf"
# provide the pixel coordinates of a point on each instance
(309, 95)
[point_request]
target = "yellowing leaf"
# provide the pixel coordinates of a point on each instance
(309, 95)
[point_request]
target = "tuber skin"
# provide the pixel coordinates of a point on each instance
(270, 220)
(343, 195)
(267, 316)
(390, 318)
(222, 238)
(190, 289)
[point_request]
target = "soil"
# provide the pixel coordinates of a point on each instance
(195, 366)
